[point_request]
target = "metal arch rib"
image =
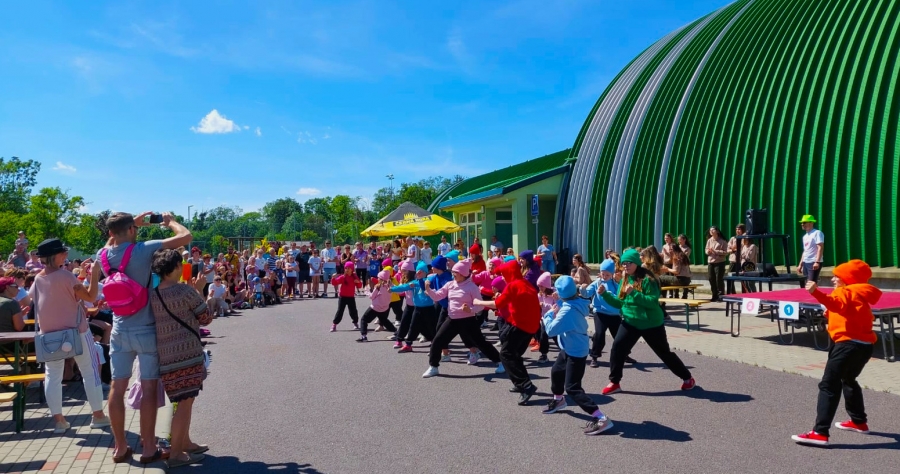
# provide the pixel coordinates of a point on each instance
(670, 144)
(585, 169)
(618, 178)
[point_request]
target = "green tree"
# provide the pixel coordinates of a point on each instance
(293, 226)
(277, 211)
(85, 236)
(319, 206)
(17, 177)
(52, 213)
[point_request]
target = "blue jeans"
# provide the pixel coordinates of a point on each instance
(548, 266)
(125, 346)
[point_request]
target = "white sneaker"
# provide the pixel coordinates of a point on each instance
(473, 358)
(61, 427)
(421, 338)
(99, 423)
(498, 344)
(500, 369)
(431, 372)
(445, 358)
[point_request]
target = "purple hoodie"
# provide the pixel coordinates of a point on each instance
(532, 269)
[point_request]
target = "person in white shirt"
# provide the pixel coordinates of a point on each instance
(496, 244)
(216, 297)
(813, 250)
(443, 247)
(329, 267)
(425, 253)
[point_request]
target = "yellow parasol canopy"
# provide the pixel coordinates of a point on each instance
(410, 219)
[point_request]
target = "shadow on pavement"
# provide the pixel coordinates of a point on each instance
(648, 430)
(895, 445)
(699, 393)
(231, 464)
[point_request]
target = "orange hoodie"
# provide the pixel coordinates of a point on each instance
(848, 307)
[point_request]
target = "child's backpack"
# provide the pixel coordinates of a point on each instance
(124, 295)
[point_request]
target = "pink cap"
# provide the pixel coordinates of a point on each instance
(387, 262)
(544, 281)
(463, 268)
(496, 262)
(499, 284)
(407, 266)
(348, 265)
(384, 275)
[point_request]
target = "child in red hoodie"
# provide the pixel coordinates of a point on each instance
(849, 312)
(349, 282)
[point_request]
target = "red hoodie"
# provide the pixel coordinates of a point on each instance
(849, 310)
(349, 284)
(519, 301)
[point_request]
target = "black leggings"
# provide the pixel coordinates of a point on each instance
(346, 302)
(566, 375)
(602, 323)
(628, 336)
(397, 308)
(405, 322)
(424, 322)
(370, 315)
(466, 340)
(465, 326)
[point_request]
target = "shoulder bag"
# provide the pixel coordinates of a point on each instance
(57, 345)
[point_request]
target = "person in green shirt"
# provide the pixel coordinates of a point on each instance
(638, 300)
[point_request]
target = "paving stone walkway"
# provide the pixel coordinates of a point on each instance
(80, 450)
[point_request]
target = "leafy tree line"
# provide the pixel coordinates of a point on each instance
(53, 212)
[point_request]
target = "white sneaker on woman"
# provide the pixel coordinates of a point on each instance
(61, 427)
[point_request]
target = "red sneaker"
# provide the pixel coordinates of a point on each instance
(812, 438)
(849, 425)
(689, 384)
(611, 389)
(405, 348)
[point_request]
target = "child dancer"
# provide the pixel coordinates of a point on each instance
(396, 299)
(547, 296)
(638, 299)
(381, 300)
(849, 312)
(423, 319)
(606, 316)
(523, 310)
(567, 322)
(439, 279)
(348, 282)
(461, 293)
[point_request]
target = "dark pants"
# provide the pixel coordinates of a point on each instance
(602, 323)
(363, 274)
(467, 327)
(682, 281)
(466, 340)
(511, 351)
(544, 340)
(845, 362)
(655, 338)
(405, 322)
(566, 374)
(811, 275)
(424, 322)
(483, 315)
(716, 274)
(346, 302)
(370, 315)
(397, 308)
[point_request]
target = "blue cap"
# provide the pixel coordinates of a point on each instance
(508, 258)
(453, 256)
(565, 287)
(608, 265)
(439, 263)
(421, 267)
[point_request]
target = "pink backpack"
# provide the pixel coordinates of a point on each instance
(124, 295)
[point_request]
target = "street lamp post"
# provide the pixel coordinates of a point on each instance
(391, 177)
(189, 215)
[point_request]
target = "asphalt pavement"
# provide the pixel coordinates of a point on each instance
(286, 395)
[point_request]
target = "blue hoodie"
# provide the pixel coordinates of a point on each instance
(420, 298)
(570, 325)
(437, 281)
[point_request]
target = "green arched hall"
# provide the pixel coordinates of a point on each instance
(782, 104)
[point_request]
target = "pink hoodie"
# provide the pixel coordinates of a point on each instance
(458, 294)
(381, 299)
(483, 280)
(547, 302)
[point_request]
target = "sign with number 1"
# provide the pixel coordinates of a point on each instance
(788, 310)
(750, 306)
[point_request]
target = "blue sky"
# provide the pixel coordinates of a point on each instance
(160, 105)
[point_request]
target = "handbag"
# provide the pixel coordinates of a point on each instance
(207, 359)
(58, 345)
(136, 394)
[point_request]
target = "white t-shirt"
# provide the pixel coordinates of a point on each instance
(426, 255)
(412, 253)
(211, 276)
(217, 291)
(328, 257)
(811, 241)
(443, 248)
(315, 266)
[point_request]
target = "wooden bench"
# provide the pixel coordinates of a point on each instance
(21, 382)
(31, 358)
(688, 306)
(690, 289)
(7, 397)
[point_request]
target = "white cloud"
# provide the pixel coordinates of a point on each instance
(306, 137)
(326, 136)
(258, 132)
(246, 127)
(216, 123)
(64, 168)
(309, 192)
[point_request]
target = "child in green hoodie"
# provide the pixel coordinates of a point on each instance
(638, 299)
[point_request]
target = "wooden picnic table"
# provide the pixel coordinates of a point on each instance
(688, 306)
(19, 355)
(29, 321)
(690, 288)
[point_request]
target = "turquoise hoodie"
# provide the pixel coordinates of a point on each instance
(601, 306)
(420, 298)
(570, 326)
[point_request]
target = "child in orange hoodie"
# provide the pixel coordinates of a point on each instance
(849, 313)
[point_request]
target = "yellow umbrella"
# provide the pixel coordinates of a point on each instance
(410, 219)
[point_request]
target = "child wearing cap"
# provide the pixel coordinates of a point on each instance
(381, 301)
(849, 312)
(423, 319)
(606, 316)
(349, 282)
(547, 297)
(439, 279)
(638, 299)
(568, 323)
(461, 294)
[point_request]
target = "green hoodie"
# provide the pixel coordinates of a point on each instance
(640, 308)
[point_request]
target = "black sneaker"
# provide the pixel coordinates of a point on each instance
(630, 360)
(555, 406)
(542, 358)
(595, 363)
(526, 395)
(515, 389)
(393, 338)
(363, 339)
(597, 426)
